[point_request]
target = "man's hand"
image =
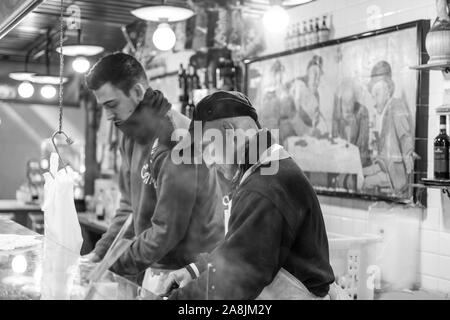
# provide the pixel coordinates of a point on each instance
(179, 278)
(91, 257)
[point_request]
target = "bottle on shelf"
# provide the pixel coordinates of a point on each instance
(305, 35)
(100, 208)
(189, 80)
(287, 38)
(324, 32)
(300, 36)
(182, 86)
(190, 106)
(314, 34)
(195, 80)
(298, 32)
(220, 74)
(182, 78)
(441, 151)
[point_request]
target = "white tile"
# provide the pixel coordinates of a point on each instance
(429, 283)
(444, 287)
(444, 267)
(335, 224)
(429, 264)
(326, 220)
(444, 244)
(360, 227)
(429, 241)
(432, 216)
(347, 226)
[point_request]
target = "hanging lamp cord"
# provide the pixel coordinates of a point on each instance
(61, 67)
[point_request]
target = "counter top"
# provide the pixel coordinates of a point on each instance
(90, 221)
(14, 205)
(48, 271)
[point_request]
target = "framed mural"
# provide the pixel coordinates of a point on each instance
(350, 111)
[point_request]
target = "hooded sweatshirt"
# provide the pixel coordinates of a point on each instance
(275, 222)
(175, 208)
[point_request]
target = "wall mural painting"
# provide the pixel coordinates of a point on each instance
(346, 110)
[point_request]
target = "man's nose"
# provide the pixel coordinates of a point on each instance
(109, 114)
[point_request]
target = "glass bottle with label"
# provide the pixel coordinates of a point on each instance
(287, 39)
(314, 37)
(305, 35)
(441, 151)
(182, 86)
(324, 32)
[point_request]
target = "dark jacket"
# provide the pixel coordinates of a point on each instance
(276, 222)
(174, 207)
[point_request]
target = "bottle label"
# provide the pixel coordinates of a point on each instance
(441, 159)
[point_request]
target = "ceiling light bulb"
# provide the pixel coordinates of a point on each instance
(81, 64)
(164, 38)
(25, 89)
(276, 18)
(48, 91)
(19, 264)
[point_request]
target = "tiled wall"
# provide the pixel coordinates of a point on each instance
(417, 242)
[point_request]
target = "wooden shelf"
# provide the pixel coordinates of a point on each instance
(444, 67)
(438, 184)
(443, 110)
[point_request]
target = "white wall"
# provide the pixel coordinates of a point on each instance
(417, 241)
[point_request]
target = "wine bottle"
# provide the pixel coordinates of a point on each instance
(305, 39)
(441, 151)
(182, 79)
(312, 33)
(195, 78)
(190, 106)
(287, 39)
(324, 33)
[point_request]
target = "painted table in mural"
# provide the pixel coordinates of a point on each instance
(32, 267)
(336, 158)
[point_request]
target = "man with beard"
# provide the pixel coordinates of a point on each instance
(276, 246)
(173, 205)
(393, 165)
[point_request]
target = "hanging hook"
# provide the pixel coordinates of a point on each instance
(69, 141)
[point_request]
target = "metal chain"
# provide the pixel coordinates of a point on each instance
(61, 67)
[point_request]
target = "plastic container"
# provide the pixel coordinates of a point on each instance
(353, 259)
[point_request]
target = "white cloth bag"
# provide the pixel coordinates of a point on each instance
(61, 223)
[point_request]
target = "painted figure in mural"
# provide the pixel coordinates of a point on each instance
(309, 120)
(392, 166)
(278, 105)
(351, 119)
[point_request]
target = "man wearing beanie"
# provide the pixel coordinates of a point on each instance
(173, 206)
(276, 246)
(392, 167)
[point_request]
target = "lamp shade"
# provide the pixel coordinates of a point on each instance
(47, 79)
(295, 2)
(21, 75)
(171, 12)
(75, 50)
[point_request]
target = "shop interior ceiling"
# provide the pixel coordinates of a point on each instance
(101, 22)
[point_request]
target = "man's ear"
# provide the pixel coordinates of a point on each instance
(137, 92)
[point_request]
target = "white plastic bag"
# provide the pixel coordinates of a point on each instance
(61, 223)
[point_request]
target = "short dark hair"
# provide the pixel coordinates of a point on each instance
(120, 69)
